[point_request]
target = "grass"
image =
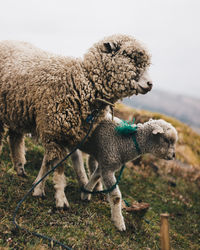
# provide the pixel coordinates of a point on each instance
(88, 225)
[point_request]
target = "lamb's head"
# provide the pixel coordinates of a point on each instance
(118, 67)
(163, 137)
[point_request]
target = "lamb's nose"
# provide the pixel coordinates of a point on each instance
(174, 155)
(150, 84)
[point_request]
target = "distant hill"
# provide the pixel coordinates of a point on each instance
(184, 108)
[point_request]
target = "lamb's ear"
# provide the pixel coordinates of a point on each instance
(110, 47)
(158, 130)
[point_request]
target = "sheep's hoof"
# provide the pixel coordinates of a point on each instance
(64, 208)
(62, 204)
(85, 197)
(99, 186)
(39, 193)
(21, 172)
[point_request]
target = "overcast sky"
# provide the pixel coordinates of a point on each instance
(169, 28)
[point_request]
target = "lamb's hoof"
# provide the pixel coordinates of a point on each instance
(85, 196)
(120, 225)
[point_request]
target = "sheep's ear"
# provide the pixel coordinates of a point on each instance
(158, 130)
(110, 47)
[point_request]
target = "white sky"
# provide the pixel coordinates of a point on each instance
(169, 28)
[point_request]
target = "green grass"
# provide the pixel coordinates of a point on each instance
(88, 225)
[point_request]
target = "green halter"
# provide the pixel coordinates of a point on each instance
(126, 128)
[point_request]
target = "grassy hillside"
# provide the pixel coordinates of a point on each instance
(171, 187)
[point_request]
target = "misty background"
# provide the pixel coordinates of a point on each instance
(168, 28)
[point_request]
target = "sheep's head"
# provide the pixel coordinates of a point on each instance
(118, 67)
(164, 137)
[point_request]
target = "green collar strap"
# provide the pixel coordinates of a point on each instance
(126, 128)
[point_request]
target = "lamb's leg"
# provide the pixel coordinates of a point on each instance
(78, 165)
(93, 165)
(17, 148)
(114, 198)
(91, 184)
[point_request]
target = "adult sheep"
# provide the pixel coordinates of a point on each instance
(51, 96)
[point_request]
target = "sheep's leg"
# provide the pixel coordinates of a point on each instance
(53, 154)
(114, 198)
(39, 189)
(78, 165)
(17, 148)
(91, 184)
(93, 164)
(59, 184)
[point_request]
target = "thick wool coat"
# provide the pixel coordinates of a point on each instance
(52, 95)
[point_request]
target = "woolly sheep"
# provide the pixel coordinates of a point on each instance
(111, 150)
(51, 96)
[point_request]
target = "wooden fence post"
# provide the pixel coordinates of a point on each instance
(164, 232)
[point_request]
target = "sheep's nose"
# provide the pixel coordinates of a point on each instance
(174, 155)
(150, 84)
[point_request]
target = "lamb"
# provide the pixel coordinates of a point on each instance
(51, 96)
(111, 150)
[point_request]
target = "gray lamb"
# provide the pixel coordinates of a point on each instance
(111, 150)
(51, 96)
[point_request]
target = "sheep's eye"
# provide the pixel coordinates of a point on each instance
(166, 140)
(135, 58)
(126, 54)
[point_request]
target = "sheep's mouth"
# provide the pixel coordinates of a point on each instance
(143, 90)
(134, 91)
